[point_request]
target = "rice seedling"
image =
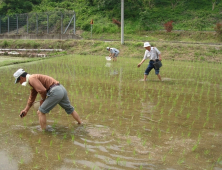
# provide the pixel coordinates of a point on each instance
(46, 155)
(118, 160)
(195, 146)
(36, 167)
(61, 146)
(58, 156)
(39, 141)
(65, 136)
(164, 158)
(144, 142)
(87, 151)
(20, 136)
(21, 161)
(180, 161)
(183, 111)
(36, 150)
(73, 137)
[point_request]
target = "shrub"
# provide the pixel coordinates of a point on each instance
(168, 26)
(5, 44)
(35, 45)
(116, 22)
(218, 29)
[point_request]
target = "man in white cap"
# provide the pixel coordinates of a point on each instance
(52, 93)
(154, 55)
(113, 53)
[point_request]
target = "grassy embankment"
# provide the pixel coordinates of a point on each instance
(186, 46)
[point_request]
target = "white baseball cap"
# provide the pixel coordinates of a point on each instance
(107, 48)
(146, 44)
(17, 74)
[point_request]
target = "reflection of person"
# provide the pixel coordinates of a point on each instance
(113, 53)
(52, 93)
(154, 55)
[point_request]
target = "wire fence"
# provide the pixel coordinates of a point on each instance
(39, 23)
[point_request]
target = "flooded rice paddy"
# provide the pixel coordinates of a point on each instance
(128, 124)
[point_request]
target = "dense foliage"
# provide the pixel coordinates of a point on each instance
(139, 14)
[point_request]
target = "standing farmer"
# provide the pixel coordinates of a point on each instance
(52, 93)
(113, 53)
(154, 55)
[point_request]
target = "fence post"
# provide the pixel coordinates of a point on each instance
(17, 23)
(61, 22)
(8, 24)
(91, 29)
(36, 23)
(0, 25)
(27, 23)
(47, 23)
(74, 26)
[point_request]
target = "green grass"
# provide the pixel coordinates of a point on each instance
(7, 60)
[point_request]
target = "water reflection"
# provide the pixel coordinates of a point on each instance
(7, 162)
(108, 64)
(127, 124)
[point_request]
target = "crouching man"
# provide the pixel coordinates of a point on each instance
(52, 93)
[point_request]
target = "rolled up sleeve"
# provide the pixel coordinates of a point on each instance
(146, 55)
(158, 52)
(32, 97)
(37, 88)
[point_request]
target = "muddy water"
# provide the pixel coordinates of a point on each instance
(128, 124)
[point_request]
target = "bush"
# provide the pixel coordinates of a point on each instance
(118, 23)
(35, 45)
(168, 26)
(218, 29)
(5, 44)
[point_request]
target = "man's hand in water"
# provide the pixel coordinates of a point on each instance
(23, 113)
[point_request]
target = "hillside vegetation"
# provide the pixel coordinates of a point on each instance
(140, 15)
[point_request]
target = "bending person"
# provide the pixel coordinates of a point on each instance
(52, 93)
(113, 53)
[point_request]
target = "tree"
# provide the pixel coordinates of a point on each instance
(150, 3)
(214, 3)
(17, 6)
(162, 3)
(196, 4)
(174, 3)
